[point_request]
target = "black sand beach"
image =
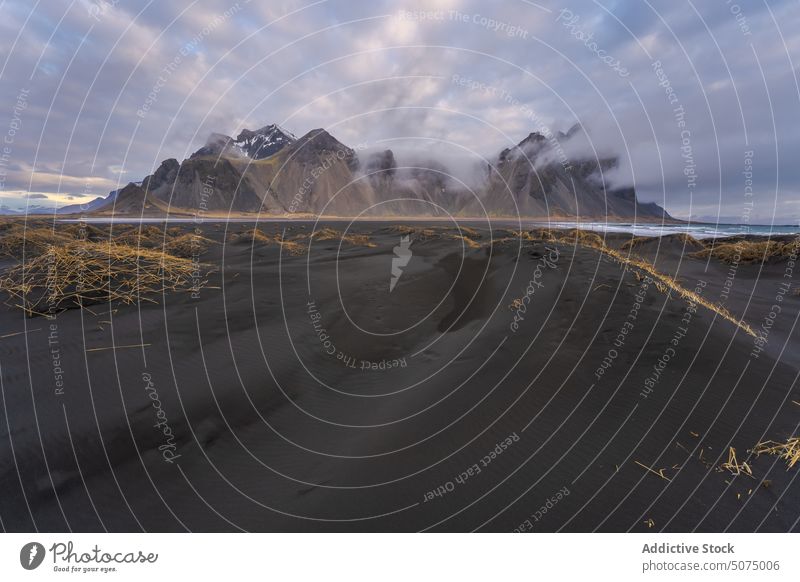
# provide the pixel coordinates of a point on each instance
(295, 392)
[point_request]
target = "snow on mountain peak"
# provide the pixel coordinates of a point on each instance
(264, 142)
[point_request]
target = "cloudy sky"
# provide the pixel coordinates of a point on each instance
(95, 93)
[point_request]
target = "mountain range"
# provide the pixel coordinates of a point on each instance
(270, 171)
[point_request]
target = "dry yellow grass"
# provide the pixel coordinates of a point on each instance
(36, 236)
(256, 236)
(662, 281)
(464, 233)
(326, 234)
(72, 274)
(293, 247)
(788, 451)
(419, 232)
(32, 239)
(682, 238)
(145, 236)
(657, 473)
(298, 244)
(252, 235)
(361, 240)
(187, 245)
(734, 466)
(467, 241)
(748, 251)
(573, 236)
(516, 234)
(671, 283)
(578, 237)
(85, 231)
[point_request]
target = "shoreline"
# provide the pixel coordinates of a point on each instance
(697, 230)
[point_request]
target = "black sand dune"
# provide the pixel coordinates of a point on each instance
(302, 395)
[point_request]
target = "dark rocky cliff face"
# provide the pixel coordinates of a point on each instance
(536, 179)
(318, 145)
(270, 170)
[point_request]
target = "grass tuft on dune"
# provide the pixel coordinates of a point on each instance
(687, 240)
(298, 244)
(743, 251)
(663, 281)
(17, 238)
(462, 233)
(71, 275)
(361, 240)
(671, 283)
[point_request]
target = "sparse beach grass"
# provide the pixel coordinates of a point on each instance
(744, 251)
(76, 273)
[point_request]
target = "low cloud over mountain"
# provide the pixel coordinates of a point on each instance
(272, 172)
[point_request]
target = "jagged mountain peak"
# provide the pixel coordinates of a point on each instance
(217, 144)
(571, 132)
(254, 144)
(320, 140)
(318, 144)
(539, 148)
(534, 138)
(273, 129)
(264, 142)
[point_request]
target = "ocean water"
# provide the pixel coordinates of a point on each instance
(697, 229)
